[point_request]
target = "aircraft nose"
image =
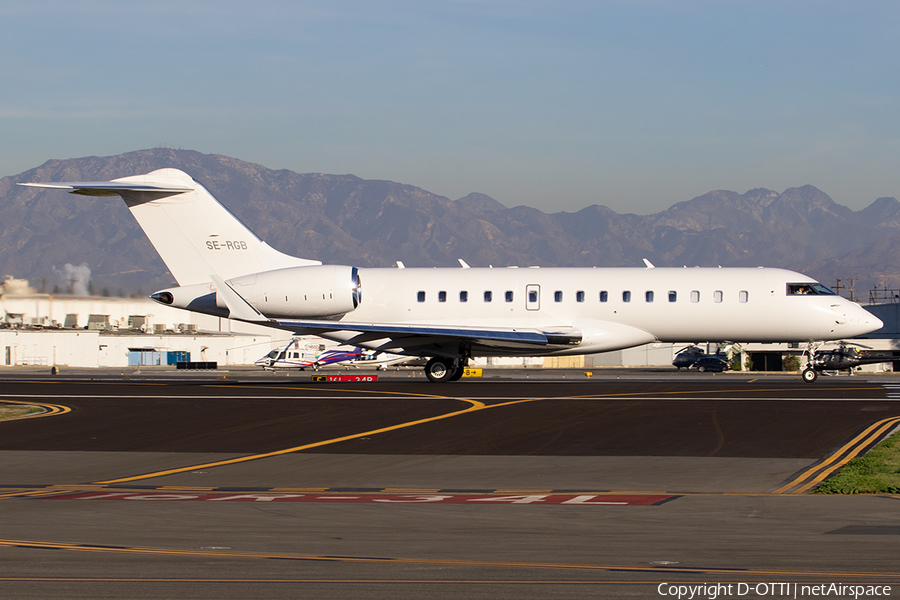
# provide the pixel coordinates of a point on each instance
(866, 322)
(874, 322)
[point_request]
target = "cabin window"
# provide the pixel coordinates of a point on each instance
(717, 296)
(673, 296)
(532, 296)
(509, 296)
(579, 296)
(557, 296)
(442, 296)
(808, 289)
(420, 296)
(604, 296)
(626, 296)
(743, 296)
(488, 296)
(464, 296)
(695, 296)
(648, 296)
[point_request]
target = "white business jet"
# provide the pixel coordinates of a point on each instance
(454, 314)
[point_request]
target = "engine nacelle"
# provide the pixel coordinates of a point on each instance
(295, 292)
(301, 292)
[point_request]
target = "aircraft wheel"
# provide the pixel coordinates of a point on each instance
(809, 375)
(439, 369)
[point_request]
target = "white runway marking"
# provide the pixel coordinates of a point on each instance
(893, 390)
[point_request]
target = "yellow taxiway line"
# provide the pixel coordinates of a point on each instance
(744, 573)
(475, 405)
(821, 471)
(50, 410)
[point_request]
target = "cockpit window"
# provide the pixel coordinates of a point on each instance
(808, 289)
(822, 290)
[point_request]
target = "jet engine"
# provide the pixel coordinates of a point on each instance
(312, 292)
(295, 292)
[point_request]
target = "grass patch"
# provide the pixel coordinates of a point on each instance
(876, 472)
(18, 410)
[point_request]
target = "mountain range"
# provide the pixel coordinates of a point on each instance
(347, 220)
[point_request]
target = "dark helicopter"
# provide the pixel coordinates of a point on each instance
(688, 356)
(843, 358)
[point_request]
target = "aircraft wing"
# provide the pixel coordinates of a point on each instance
(409, 336)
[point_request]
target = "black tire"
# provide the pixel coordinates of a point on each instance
(457, 375)
(809, 375)
(439, 369)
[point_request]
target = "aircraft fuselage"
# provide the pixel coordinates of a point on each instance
(611, 308)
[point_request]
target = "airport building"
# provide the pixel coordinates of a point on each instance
(90, 331)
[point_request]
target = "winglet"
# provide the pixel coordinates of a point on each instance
(649, 264)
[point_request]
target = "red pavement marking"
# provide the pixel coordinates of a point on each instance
(563, 499)
(365, 378)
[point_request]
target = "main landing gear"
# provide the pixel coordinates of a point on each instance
(441, 368)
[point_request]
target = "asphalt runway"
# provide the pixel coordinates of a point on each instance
(232, 485)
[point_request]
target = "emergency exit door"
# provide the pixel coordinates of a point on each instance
(533, 297)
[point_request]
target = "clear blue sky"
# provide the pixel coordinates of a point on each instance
(556, 104)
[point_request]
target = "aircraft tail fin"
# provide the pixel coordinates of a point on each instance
(193, 233)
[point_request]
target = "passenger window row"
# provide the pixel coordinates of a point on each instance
(464, 296)
(672, 296)
(718, 296)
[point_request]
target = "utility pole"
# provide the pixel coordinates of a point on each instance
(852, 287)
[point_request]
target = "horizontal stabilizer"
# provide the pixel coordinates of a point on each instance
(110, 188)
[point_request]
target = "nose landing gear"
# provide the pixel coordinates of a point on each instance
(809, 373)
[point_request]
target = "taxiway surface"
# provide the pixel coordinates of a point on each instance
(201, 487)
